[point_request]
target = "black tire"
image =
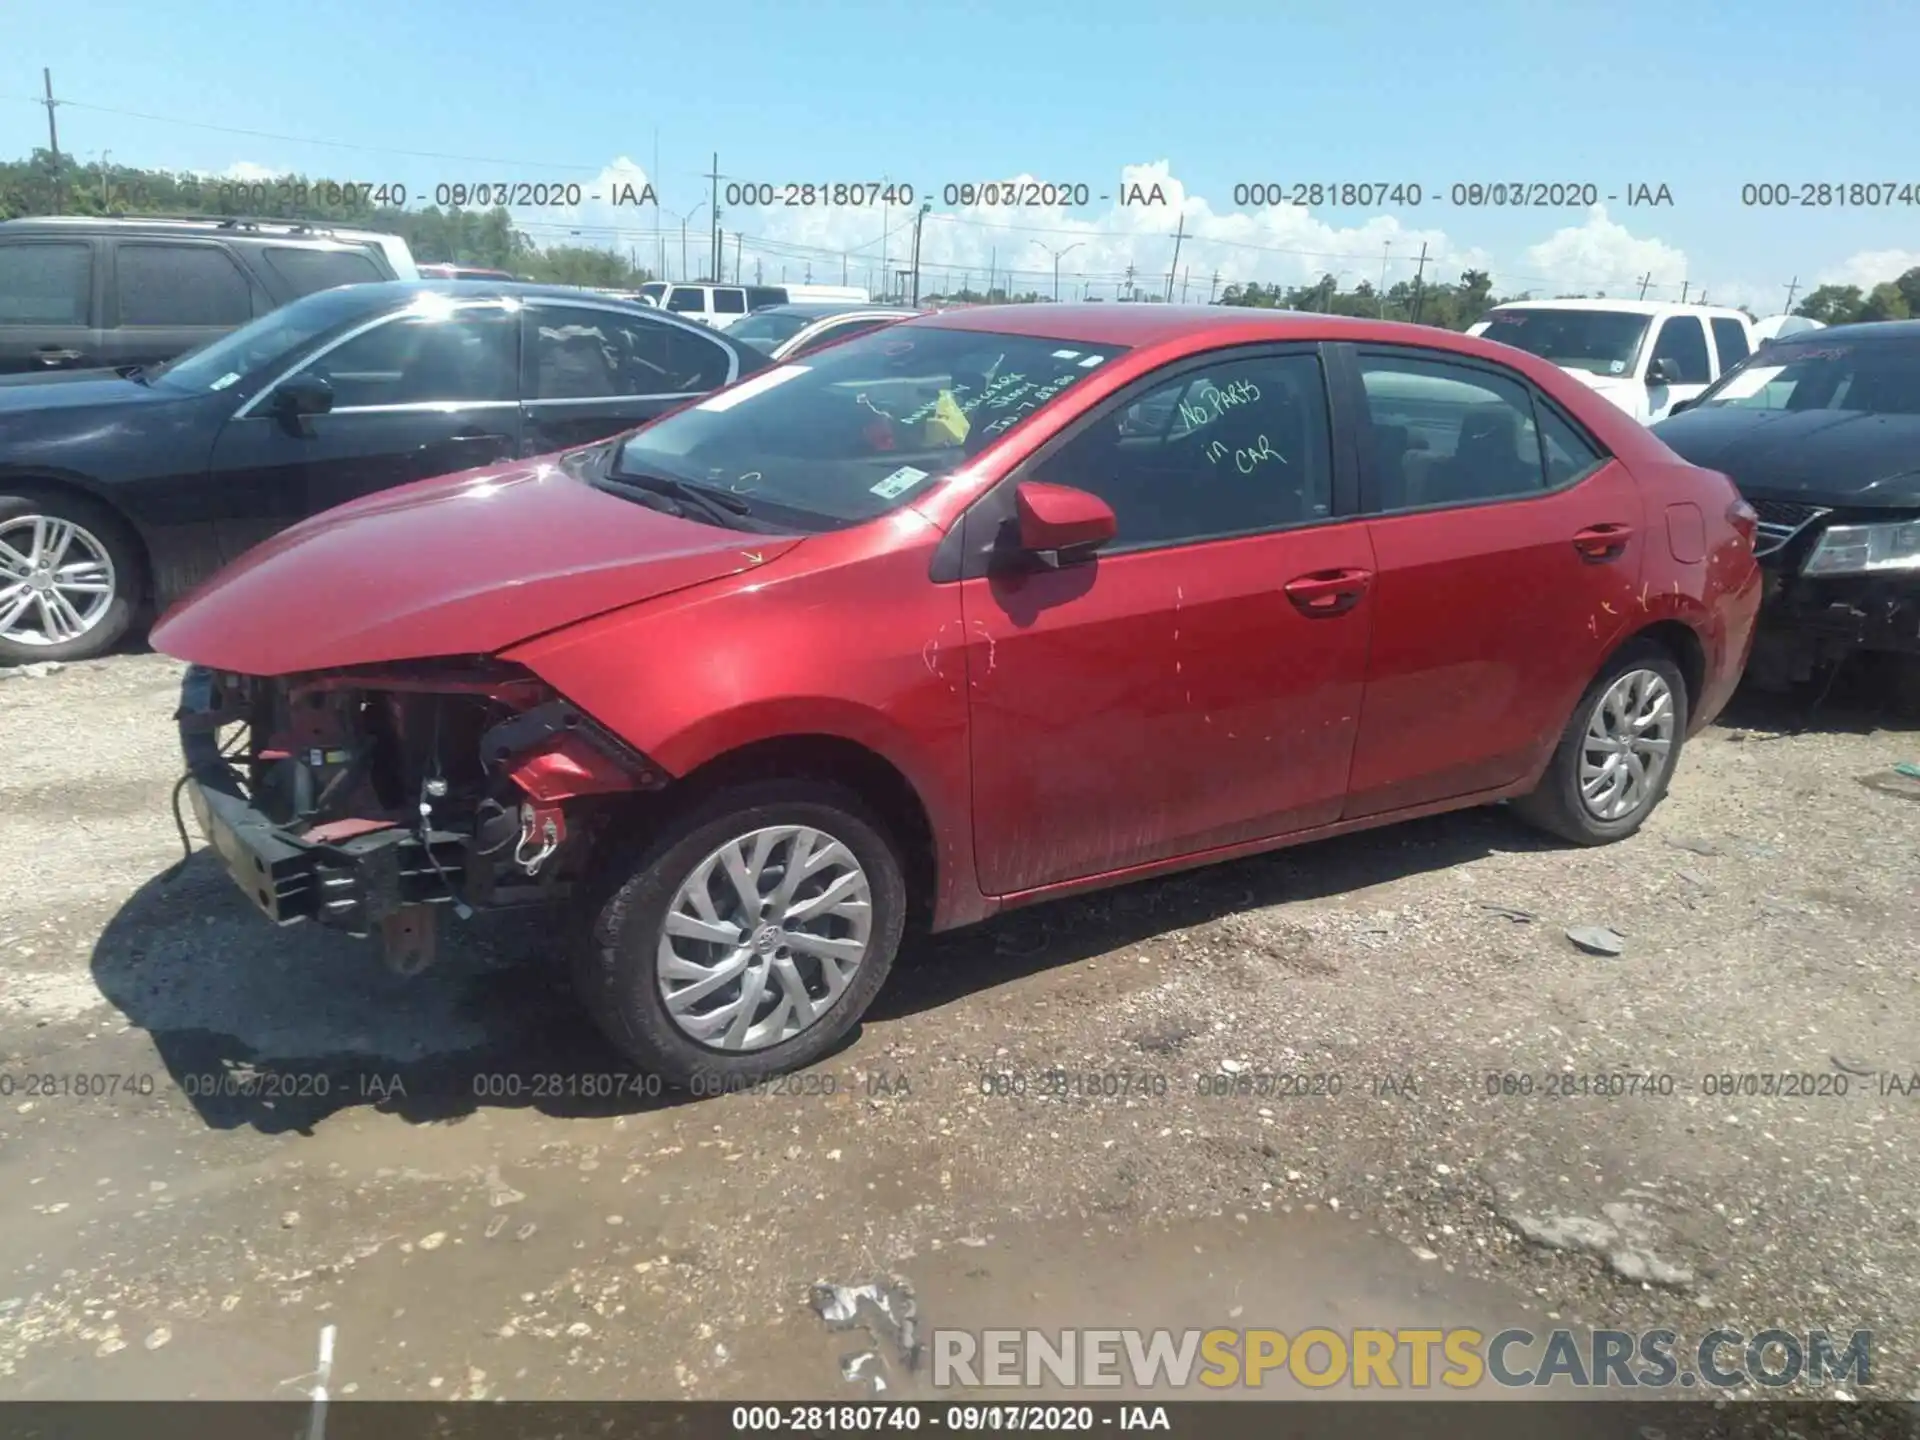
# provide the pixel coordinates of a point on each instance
(616, 962)
(121, 548)
(1555, 805)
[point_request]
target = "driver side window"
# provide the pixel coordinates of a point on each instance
(1231, 449)
(468, 357)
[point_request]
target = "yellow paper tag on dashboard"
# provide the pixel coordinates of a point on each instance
(949, 424)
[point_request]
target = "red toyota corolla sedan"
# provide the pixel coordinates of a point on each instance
(982, 609)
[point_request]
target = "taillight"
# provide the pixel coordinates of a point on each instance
(1744, 518)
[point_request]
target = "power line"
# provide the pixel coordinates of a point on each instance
(309, 140)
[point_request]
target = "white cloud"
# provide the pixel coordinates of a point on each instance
(1869, 267)
(246, 170)
(1602, 254)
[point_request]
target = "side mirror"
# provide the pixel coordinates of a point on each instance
(1060, 525)
(1664, 371)
(299, 397)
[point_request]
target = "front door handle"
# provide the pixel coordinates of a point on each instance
(54, 356)
(1600, 543)
(1328, 592)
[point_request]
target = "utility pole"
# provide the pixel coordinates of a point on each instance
(845, 261)
(1645, 280)
(713, 247)
(53, 135)
(1056, 254)
(1213, 288)
(1385, 251)
(1178, 236)
(736, 257)
(1183, 283)
(1129, 282)
(917, 221)
(993, 264)
(683, 249)
(757, 275)
(1790, 294)
(1419, 277)
(1683, 291)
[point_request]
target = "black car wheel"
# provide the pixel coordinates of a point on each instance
(1616, 757)
(71, 577)
(748, 938)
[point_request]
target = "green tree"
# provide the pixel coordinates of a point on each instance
(1832, 304)
(1885, 302)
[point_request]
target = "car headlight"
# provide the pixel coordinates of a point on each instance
(1860, 549)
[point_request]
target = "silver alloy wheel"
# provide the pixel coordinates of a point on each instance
(1628, 741)
(56, 580)
(763, 937)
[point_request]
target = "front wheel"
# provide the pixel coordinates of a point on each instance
(749, 937)
(1616, 757)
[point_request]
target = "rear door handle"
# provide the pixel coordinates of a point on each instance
(53, 356)
(1600, 543)
(1328, 592)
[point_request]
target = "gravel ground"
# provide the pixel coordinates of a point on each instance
(1024, 1131)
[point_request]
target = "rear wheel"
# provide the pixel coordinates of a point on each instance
(749, 937)
(70, 578)
(1616, 757)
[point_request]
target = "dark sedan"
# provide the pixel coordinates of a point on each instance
(119, 493)
(1821, 432)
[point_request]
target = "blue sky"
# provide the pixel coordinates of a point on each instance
(1698, 98)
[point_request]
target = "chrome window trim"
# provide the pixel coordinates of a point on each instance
(422, 407)
(613, 399)
(648, 316)
(387, 318)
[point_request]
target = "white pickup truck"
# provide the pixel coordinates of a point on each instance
(1643, 355)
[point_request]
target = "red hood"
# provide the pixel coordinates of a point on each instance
(467, 564)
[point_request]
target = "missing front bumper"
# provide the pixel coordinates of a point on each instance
(352, 884)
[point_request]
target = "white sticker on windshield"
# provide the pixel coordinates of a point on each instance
(1091, 361)
(899, 482)
(1616, 367)
(1066, 354)
(225, 380)
(747, 389)
(1749, 382)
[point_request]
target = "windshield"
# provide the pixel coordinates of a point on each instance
(1604, 342)
(767, 329)
(233, 357)
(863, 427)
(1881, 378)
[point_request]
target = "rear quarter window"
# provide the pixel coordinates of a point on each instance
(306, 271)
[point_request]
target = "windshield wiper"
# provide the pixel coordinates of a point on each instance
(717, 505)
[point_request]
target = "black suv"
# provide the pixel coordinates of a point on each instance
(99, 292)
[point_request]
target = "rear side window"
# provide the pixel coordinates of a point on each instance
(1447, 434)
(45, 283)
(1730, 339)
(309, 270)
(1569, 454)
(688, 298)
(1683, 341)
(581, 354)
(188, 285)
(730, 302)
(760, 296)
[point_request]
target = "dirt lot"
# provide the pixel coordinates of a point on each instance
(425, 1165)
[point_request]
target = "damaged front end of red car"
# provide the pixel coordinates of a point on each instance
(367, 799)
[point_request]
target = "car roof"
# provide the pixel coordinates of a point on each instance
(233, 226)
(825, 309)
(1625, 307)
(1870, 331)
(1137, 325)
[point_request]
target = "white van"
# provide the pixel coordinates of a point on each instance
(721, 305)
